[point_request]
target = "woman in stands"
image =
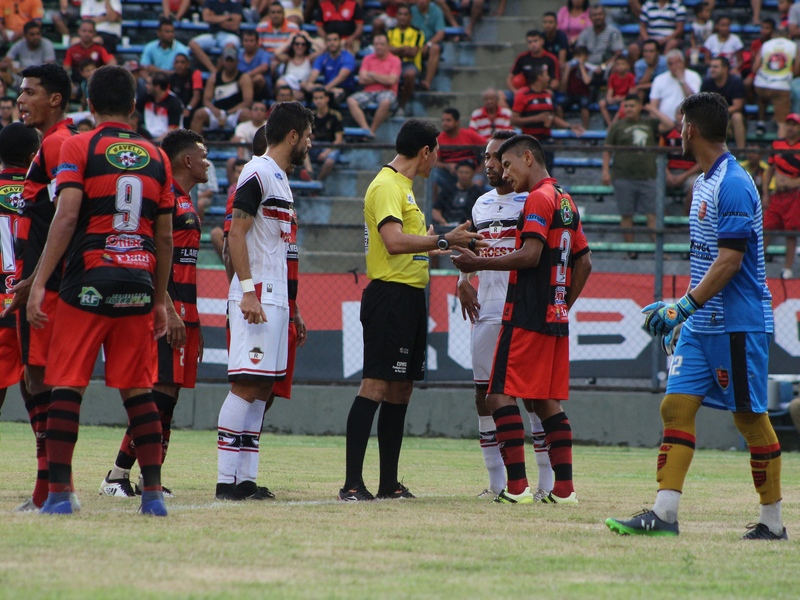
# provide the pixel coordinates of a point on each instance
(574, 18)
(296, 57)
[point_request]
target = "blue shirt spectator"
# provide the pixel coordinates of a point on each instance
(337, 68)
(430, 21)
(159, 55)
(640, 66)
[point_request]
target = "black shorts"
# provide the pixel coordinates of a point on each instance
(395, 321)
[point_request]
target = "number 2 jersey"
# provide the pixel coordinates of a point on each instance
(495, 217)
(537, 297)
(12, 181)
(126, 183)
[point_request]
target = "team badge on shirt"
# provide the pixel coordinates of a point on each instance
(256, 354)
(566, 212)
(127, 156)
(11, 197)
(701, 210)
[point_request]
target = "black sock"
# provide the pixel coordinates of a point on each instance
(391, 425)
(359, 426)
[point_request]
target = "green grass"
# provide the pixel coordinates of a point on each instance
(445, 544)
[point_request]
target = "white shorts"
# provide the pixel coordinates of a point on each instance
(484, 342)
(258, 352)
(231, 120)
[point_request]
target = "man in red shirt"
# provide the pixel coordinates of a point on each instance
(345, 17)
(114, 225)
(536, 55)
(86, 49)
(452, 134)
(549, 267)
(534, 110)
(44, 96)
(181, 348)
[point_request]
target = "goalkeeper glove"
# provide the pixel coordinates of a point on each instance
(669, 341)
(661, 317)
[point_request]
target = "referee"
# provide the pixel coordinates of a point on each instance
(393, 311)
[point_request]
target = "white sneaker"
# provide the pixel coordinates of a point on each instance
(552, 499)
(120, 488)
(505, 497)
(786, 274)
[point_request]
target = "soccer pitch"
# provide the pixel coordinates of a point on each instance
(445, 544)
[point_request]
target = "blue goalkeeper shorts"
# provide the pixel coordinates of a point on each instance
(728, 370)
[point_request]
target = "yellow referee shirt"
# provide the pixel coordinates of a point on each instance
(410, 36)
(390, 198)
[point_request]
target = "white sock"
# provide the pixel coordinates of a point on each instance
(247, 469)
(229, 436)
(542, 456)
(491, 454)
(771, 517)
(666, 506)
(119, 473)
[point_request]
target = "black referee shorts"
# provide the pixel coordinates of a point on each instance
(395, 322)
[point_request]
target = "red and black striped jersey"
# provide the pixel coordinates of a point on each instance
(292, 268)
(39, 208)
(12, 182)
(676, 160)
(528, 103)
(126, 183)
(226, 224)
(786, 158)
(185, 247)
(537, 298)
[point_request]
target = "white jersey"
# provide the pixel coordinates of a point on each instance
(495, 217)
(263, 192)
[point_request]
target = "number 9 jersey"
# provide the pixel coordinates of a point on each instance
(126, 184)
(537, 298)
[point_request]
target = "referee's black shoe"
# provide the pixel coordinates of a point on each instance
(400, 492)
(359, 493)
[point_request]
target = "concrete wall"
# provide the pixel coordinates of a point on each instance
(606, 418)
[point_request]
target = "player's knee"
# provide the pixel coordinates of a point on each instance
(678, 410)
(756, 429)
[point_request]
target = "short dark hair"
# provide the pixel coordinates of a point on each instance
(654, 42)
(522, 143)
(7, 99)
(708, 112)
(580, 50)
(719, 18)
(533, 73)
(403, 5)
(239, 162)
(453, 112)
(414, 135)
(633, 97)
(89, 21)
(465, 163)
(165, 21)
(53, 78)
(260, 141)
(17, 144)
(160, 80)
(252, 32)
(503, 134)
(769, 21)
(180, 141)
(88, 122)
(549, 13)
(112, 90)
(534, 33)
(31, 25)
(723, 61)
(700, 6)
(286, 117)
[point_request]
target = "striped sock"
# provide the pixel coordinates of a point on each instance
(541, 452)
(37, 407)
(247, 468)
(511, 438)
(230, 427)
(145, 428)
(63, 422)
(558, 437)
(491, 454)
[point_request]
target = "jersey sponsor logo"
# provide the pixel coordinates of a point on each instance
(185, 205)
(11, 197)
(278, 176)
(520, 198)
(400, 367)
(566, 212)
(90, 297)
(137, 260)
(540, 220)
(410, 199)
(124, 243)
(10, 282)
(127, 156)
(701, 210)
(188, 256)
(722, 378)
(65, 168)
(256, 354)
(496, 251)
(128, 300)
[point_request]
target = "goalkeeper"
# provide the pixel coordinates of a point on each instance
(722, 355)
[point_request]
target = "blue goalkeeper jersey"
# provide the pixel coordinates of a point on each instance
(726, 206)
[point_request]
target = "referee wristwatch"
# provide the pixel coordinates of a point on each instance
(442, 242)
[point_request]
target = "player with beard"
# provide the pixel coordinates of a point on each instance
(495, 216)
(44, 96)
(722, 355)
(258, 299)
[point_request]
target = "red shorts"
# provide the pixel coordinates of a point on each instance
(178, 366)
(530, 365)
(128, 345)
(783, 211)
(35, 343)
(11, 373)
(283, 388)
